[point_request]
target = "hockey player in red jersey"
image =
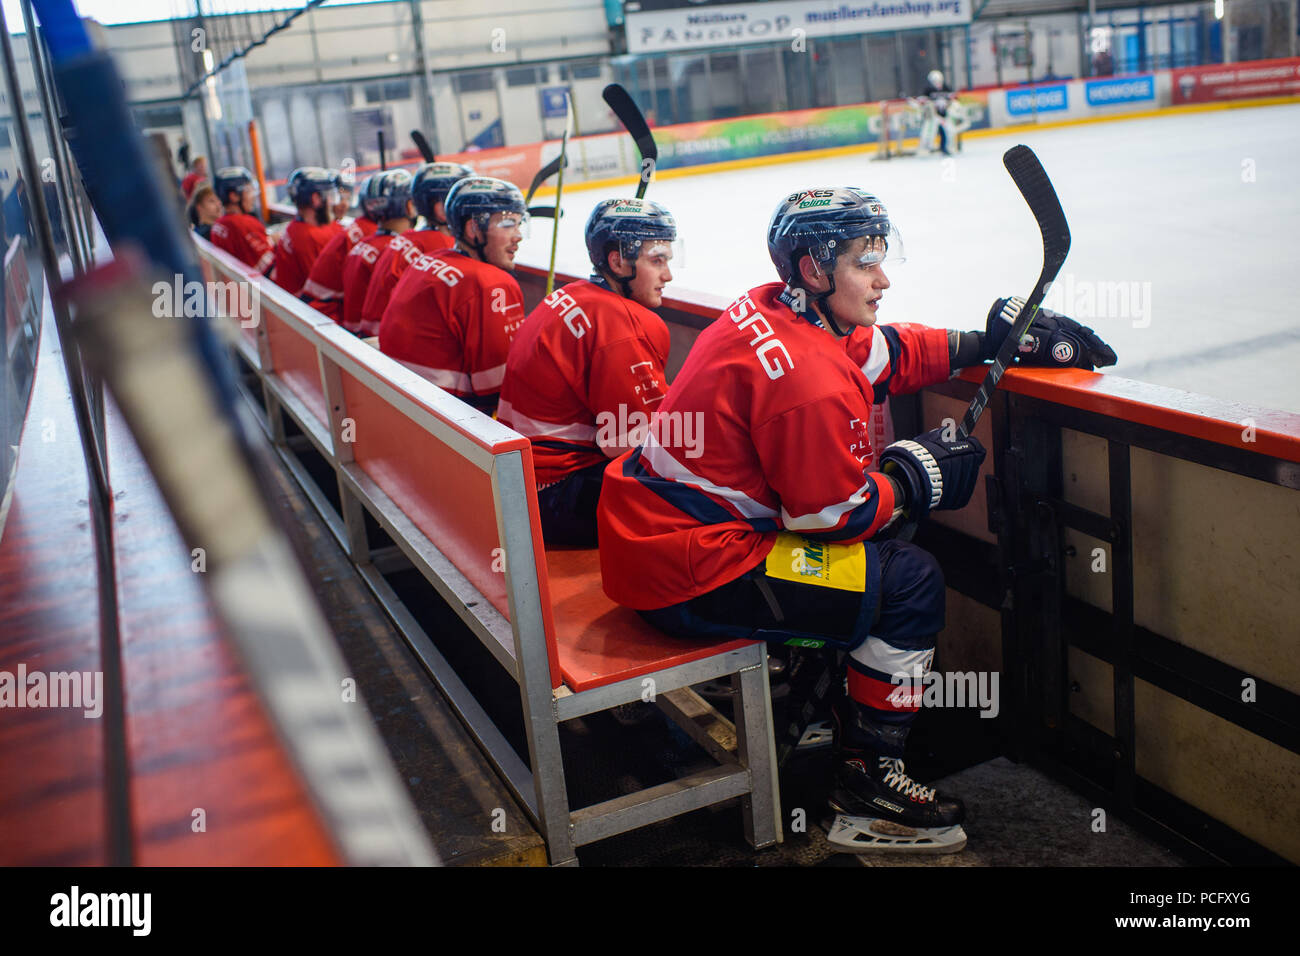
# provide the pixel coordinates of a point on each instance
(452, 314)
(314, 192)
(323, 290)
(586, 371)
(429, 190)
(239, 232)
(387, 201)
(776, 523)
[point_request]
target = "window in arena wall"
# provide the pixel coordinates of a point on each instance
(387, 90)
(726, 88)
(580, 70)
(525, 76)
(478, 82)
(764, 89)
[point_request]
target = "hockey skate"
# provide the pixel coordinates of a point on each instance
(883, 809)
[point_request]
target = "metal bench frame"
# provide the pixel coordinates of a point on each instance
(745, 753)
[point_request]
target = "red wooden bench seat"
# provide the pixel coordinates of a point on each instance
(601, 642)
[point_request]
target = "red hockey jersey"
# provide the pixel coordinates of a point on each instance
(763, 430)
(358, 270)
(323, 289)
(585, 372)
(296, 252)
(245, 238)
(393, 261)
(451, 318)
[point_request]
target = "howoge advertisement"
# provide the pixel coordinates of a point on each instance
(705, 25)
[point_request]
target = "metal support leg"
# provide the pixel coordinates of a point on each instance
(757, 746)
(274, 415)
(552, 797)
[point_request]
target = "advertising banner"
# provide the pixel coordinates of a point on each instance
(695, 26)
(1236, 81)
(1128, 89)
(1032, 100)
(692, 144)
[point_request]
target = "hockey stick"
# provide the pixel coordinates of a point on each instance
(629, 114)
(383, 155)
(1030, 178)
(422, 145)
(543, 174)
(559, 190)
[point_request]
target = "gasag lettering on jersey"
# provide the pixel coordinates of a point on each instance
(569, 312)
(366, 251)
(441, 268)
(770, 350)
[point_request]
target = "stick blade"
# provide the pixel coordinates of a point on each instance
(545, 173)
(1031, 179)
(629, 114)
(422, 145)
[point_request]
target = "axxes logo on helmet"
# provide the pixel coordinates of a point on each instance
(811, 198)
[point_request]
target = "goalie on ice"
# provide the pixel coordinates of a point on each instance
(942, 117)
(784, 381)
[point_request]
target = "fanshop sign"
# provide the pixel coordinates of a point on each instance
(729, 24)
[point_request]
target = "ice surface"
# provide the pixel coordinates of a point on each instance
(1187, 225)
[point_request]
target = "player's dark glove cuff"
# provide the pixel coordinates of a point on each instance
(937, 474)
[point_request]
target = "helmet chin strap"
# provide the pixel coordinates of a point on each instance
(822, 305)
(624, 283)
(476, 247)
(823, 308)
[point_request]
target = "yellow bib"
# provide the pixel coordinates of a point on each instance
(825, 563)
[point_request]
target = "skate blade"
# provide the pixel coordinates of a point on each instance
(848, 834)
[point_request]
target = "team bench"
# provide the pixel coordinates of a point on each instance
(454, 490)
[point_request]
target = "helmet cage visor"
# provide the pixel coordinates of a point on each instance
(657, 250)
(507, 219)
(884, 244)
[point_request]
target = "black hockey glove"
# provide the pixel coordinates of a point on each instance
(936, 474)
(1053, 340)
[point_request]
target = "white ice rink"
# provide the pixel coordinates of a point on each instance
(1187, 226)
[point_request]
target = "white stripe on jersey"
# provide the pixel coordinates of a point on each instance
(443, 378)
(318, 291)
(490, 377)
(879, 357)
(532, 428)
(667, 466)
(828, 517)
